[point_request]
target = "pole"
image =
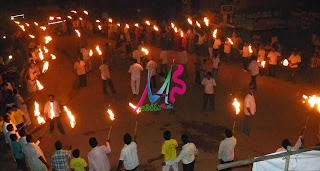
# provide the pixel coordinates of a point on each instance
(109, 132)
(234, 125)
(23, 126)
(305, 126)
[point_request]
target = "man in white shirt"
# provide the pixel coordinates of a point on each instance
(137, 54)
(80, 67)
(209, 84)
(184, 60)
(97, 157)
(215, 65)
(7, 121)
(152, 68)
(226, 148)
(254, 71)
(273, 57)
(129, 154)
(86, 58)
(227, 50)
(52, 110)
(294, 61)
(286, 145)
(249, 111)
(246, 56)
(216, 44)
(135, 70)
(106, 78)
(35, 156)
(164, 60)
(187, 154)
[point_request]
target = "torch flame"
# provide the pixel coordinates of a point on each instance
(175, 29)
(27, 24)
(43, 28)
(181, 33)
(118, 24)
(45, 67)
(111, 115)
(47, 39)
(134, 107)
(155, 28)
(285, 62)
(230, 41)
(198, 24)
(69, 17)
(17, 22)
(37, 114)
(236, 105)
(10, 56)
(206, 21)
(35, 23)
(250, 49)
(86, 12)
(22, 27)
(172, 25)
(90, 52)
(110, 20)
(214, 34)
(148, 22)
(312, 100)
(80, 19)
(41, 54)
(127, 26)
(40, 87)
(52, 113)
(45, 49)
(53, 57)
(99, 27)
(70, 116)
(190, 21)
(73, 11)
(146, 51)
(98, 21)
(51, 18)
(31, 36)
(263, 63)
(98, 50)
(137, 24)
(59, 18)
(78, 32)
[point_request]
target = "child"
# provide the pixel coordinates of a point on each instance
(78, 163)
(17, 152)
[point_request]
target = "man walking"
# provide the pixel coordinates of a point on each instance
(152, 69)
(249, 111)
(135, 70)
(187, 154)
(226, 148)
(168, 152)
(53, 111)
(35, 156)
(273, 61)
(209, 84)
(86, 58)
(79, 66)
(97, 157)
(106, 78)
(245, 56)
(254, 71)
(129, 154)
(60, 158)
(294, 61)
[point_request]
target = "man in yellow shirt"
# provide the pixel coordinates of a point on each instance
(18, 116)
(168, 151)
(11, 115)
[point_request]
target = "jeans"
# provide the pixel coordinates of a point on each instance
(207, 97)
(245, 61)
(223, 162)
(56, 120)
(253, 83)
(246, 126)
(272, 70)
(104, 86)
(153, 82)
(83, 80)
(188, 167)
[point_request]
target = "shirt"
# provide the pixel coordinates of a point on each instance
(18, 100)
(7, 136)
(169, 149)
(98, 159)
(183, 57)
(23, 142)
(254, 68)
(227, 47)
(129, 156)
(136, 54)
(163, 57)
(18, 116)
(216, 44)
(245, 52)
(226, 149)
(209, 85)
(79, 66)
(85, 53)
(56, 109)
(201, 39)
(33, 152)
(135, 70)
(261, 55)
(17, 150)
(59, 160)
(12, 118)
(105, 73)
(4, 130)
(249, 102)
(215, 62)
(294, 60)
(187, 154)
(273, 57)
(152, 66)
(294, 148)
(78, 164)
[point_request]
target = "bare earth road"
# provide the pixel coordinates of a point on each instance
(280, 113)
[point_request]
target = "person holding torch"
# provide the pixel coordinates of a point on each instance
(53, 111)
(129, 154)
(249, 111)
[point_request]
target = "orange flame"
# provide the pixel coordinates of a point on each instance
(181, 33)
(69, 17)
(148, 22)
(70, 116)
(206, 21)
(198, 24)
(59, 18)
(236, 105)
(51, 18)
(35, 23)
(80, 19)
(47, 39)
(230, 41)
(111, 114)
(134, 107)
(285, 62)
(127, 26)
(214, 34)
(37, 114)
(41, 54)
(98, 21)
(155, 28)
(53, 57)
(175, 29)
(43, 28)
(27, 24)
(190, 21)
(52, 113)
(146, 51)
(45, 49)
(118, 24)
(78, 32)
(22, 27)
(45, 67)
(40, 87)
(73, 11)
(312, 100)
(98, 50)
(86, 12)
(110, 20)
(250, 49)
(32, 36)
(137, 24)
(99, 27)
(90, 52)
(172, 25)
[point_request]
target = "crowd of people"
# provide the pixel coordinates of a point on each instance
(257, 58)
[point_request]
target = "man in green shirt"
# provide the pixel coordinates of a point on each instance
(17, 152)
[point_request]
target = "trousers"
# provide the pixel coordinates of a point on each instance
(135, 85)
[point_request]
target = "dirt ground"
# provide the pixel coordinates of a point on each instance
(280, 112)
